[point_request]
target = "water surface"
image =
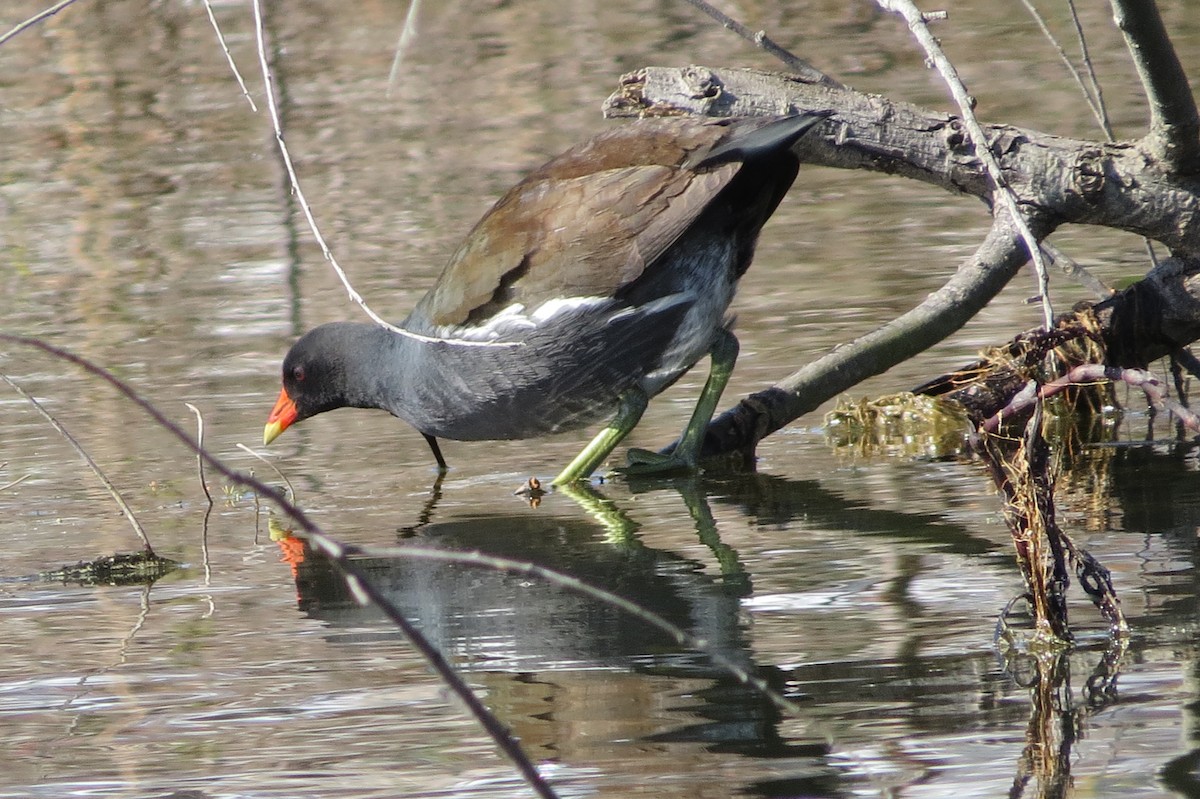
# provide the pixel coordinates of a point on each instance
(145, 224)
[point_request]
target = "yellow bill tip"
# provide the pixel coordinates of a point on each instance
(271, 432)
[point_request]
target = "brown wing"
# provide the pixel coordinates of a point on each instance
(585, 224)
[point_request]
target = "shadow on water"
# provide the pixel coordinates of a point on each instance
(548, 658)
(493, 620)
(551, 659)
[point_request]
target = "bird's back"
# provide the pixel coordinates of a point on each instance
(612, 265)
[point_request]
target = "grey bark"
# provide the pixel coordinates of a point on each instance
(1148, 187)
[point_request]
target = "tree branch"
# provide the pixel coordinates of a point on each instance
(1059, 181)
(339, 554)
(1156, 393)
(35, 19)
(805, 70)
(1003, 195)
(1174, 138)
(1090, 90)
(973, 286)
(1070, 180)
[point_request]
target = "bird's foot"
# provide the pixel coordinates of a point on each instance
(640, 462)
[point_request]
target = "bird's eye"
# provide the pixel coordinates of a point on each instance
(298, 374)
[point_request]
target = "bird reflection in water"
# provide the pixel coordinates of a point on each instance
(574, 678)
(582, 683)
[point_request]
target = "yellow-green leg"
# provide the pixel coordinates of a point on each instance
(629, 412)
(619, 528)
(686, 455)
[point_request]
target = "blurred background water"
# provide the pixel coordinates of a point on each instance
(145, 223)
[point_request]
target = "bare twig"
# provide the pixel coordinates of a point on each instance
(200, 442)
(272, 108)
(1094, 95)
(285, 155)
(18, 481)
(35, 19)
(212, 18)
(112, 489)
(408, 35)
(1003, 197)
(282, 476)
(805, 70)
(1076, 272)
(338, 554)
(1174, 136)
(1091, 94)
(206, 562)
(1097, 92)
(1089, 374)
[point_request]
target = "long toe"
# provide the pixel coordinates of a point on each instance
(645, 462)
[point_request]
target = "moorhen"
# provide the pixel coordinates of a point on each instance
(591, 286)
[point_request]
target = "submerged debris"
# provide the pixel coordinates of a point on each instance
(984, 388)
(1042, 385)
(138, 568)
(904, 424)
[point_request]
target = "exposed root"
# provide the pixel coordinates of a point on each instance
(1025, 474)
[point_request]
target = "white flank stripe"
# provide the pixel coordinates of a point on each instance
(514, 320)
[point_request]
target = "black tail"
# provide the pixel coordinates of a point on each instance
(768, 168)
(765, 141)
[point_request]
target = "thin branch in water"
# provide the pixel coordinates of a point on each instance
(1091, 96)
(1097, 92)
(207, 561)
(1174, 136)
(805, 70)
(1090, 374)
(35, 19)
(1077, 272)
(18, 481)
(408, 34)
(332, 549)
(112, 489)
(273, 110)
(200, 441)
(1151, 254)
(257, 513)
(1004, 197)
(294, 181)
(208, 511)
(212, 18)
(274, 468)
(577, 586)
